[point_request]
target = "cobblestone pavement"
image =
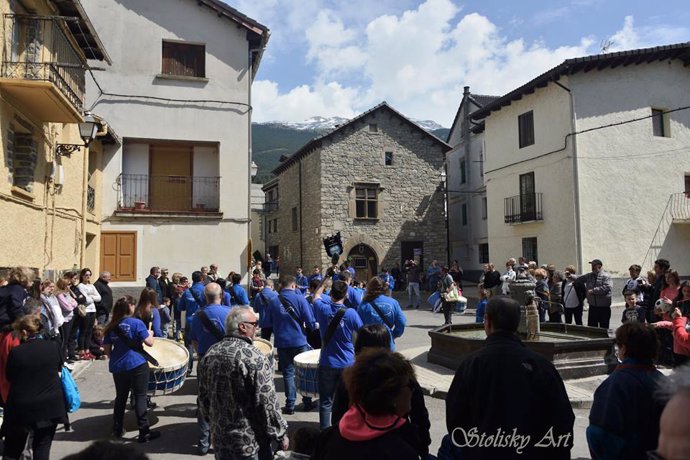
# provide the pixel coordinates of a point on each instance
(175, 414)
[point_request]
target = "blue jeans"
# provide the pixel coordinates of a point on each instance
(286, 356)
(329, 378)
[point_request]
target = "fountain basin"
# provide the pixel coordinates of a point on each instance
(576, 351)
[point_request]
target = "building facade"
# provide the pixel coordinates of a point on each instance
(176, 193)
(49, 207)
(377, 180)
(468, 236)
(590, 160)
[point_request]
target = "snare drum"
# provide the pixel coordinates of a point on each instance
(169, 375)
(266, 349)
(307, 373)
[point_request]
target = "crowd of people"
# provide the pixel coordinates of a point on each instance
(369, 401)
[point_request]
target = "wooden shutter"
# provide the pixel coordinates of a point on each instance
(119, 255)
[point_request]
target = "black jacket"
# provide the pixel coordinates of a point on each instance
(419, 415)
(106, 303)
(506, 386)
(36, 390)
(394, 445)
(12, 299)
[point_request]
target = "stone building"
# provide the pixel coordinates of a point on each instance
(377, 180)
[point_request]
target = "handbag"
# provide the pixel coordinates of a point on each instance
(453, 295)
(69, 388)
(81, 310)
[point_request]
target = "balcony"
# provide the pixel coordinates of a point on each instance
(270, 206)
(144, 194)
(42, 69)
(523, 208)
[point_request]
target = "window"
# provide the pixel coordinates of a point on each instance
(485, 208)
(294, 219)
(366, 202)
(463, 171)
(484, 253)
(22, 153)
(184, 59)
(687, 184)
(528, 198)
(373, 128)
(526, 129)
(388, 158)
(275, 225)
(529, 249)
(659, 123)
(464, 214)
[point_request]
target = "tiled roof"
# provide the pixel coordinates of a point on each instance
(585, 64)
(316, 142)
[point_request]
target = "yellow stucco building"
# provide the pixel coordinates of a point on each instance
(49, 181)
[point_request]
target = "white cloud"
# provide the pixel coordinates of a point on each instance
(416, 59)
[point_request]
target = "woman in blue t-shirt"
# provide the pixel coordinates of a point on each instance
(129, 367)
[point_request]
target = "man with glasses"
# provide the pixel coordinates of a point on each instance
(237, 395)
(208, 328)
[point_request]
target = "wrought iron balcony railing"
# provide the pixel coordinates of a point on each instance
(144, 193)
(38, 48)
(271, 206)
(523, 208)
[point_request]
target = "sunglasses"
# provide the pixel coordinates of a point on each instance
(253, 323)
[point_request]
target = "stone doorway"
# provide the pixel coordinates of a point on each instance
(363, 259)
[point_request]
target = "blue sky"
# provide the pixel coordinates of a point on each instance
(338, 58)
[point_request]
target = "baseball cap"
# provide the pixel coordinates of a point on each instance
(596, 262)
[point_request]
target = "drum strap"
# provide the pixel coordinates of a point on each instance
(333, 325)
(209, 325)
(290, 310)
(134, 346)
(381, 315)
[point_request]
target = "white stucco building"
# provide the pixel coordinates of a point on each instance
(468, 237)
(590, 160)
(176, 193)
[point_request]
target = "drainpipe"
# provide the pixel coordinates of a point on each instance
(249, 163)
(576, 182)
(466, 147)
(301, 236)
(84, 197)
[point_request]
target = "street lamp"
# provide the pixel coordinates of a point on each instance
(87, 131)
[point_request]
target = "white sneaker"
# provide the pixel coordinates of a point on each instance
(68, 365)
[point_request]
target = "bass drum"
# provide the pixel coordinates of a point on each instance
(173, 360)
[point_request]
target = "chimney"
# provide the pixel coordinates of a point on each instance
(466, 92)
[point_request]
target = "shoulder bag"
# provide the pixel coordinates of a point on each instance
(210, 325)
(381, 315)
(313, 337)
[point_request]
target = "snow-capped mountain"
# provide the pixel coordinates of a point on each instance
(322, 124)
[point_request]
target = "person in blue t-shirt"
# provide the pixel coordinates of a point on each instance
(204, 334)
(147, 311)
(192, 299)
(238, 296)
(301, 281)
(481, 306)
(388, 282)
(353, 298)
(316, 274)
(261, 301)
(393, 317)
(129, 367)
(338, 353)
(290, 339)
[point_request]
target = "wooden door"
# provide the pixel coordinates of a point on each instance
(119, 255)
(170, 184)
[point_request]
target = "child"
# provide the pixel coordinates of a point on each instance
(634, 282)
(632, 312)
(481, 306)
(165, 315)
(97, 349)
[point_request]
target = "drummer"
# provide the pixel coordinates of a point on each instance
(337, 352)
(208, 328)
(128, 366)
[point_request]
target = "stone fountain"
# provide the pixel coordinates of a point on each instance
(576, 351)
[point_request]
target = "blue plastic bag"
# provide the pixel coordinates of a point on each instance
(434, 299)
(69, 387)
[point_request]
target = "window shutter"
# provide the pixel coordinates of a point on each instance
(351, 204)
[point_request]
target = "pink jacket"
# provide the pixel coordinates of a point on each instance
(67, 303)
